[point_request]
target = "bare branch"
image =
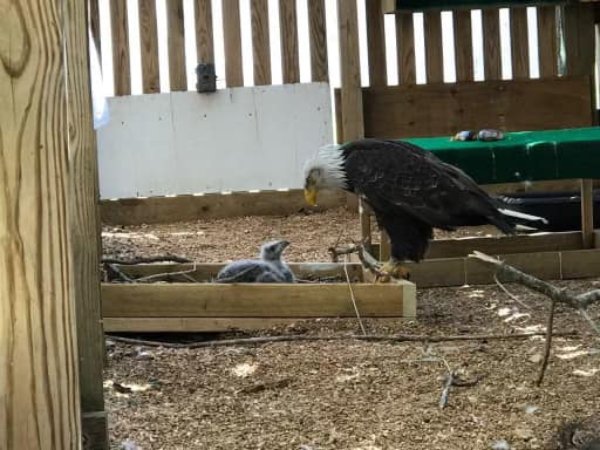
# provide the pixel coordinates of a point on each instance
(548, 344)
(358, 337)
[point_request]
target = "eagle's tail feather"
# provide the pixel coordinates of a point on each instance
(516, 220)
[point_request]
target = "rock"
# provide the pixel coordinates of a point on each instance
(501, 445)
(536, 358)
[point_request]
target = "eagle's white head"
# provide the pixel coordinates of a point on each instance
(324, 171)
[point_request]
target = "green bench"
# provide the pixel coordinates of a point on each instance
(523, 156)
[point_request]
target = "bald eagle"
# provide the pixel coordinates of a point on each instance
(410, 191)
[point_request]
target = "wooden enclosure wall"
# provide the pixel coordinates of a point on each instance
(204, 31)
(508, 98)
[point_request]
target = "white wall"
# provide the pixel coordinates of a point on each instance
(232, 140)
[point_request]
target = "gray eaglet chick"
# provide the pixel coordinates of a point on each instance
(269, 268)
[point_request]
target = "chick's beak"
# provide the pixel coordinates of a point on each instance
(310, 195)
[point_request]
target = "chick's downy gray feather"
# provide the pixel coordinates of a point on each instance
(269, 268)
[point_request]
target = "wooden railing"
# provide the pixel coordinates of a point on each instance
(576, 23)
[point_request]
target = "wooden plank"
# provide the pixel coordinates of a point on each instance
(587, 213)
(579, 38)
(405, 47)
(540, 242)
(120, 43)
(233, 43)
(254, 300)
(376, 43)
(207, 272)
(39, 382)
(547, 38)
(261, 48)
(491, 44)
(538, 186)
(94, 21)
(149, 46)
(135, 211)
(176, 41)
(317, 27)
(519, 42)
(438, 272)
(204, 32)
(93, 433)
(514, 105)
(432, 23)
(351, 94)
(545, 265)
(190, 324)
(289, 41)
(580, 264)
(463, 45)
(84, 223)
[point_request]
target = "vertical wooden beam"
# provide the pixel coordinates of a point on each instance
(432, 23)
(261, 48)
(84, 226)
(204, 32)
(579, 38)
(587, 213)
(120, 42)
(318, 40)
(176, 39)
(463, 45)
(94, 21)
(547, 38)
(39, 377)
(351, 93)
(234, 76)
(376, 43)
(289, 41)
(405, 47)
(491, 44)
(149, 46)
(519, 43)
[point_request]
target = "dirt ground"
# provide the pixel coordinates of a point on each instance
(348, 394)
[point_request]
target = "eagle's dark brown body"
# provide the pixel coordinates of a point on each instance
(411, 192)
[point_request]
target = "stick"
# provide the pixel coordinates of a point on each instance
(362, 327)
(145, 260)
(510, 294)
(160, 276)
(357, 337)
(548, 344)
(446, 390)
(119, 272)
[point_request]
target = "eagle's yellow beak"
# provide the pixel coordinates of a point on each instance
(310, 195)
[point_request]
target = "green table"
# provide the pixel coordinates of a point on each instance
(523, 156)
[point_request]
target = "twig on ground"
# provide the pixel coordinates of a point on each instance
(146, 260)
(119, 273)
(510, 294)
(446, 390)
(358, 337)
(335, 252)
(549, 327)
(165, 275)
(353, 298)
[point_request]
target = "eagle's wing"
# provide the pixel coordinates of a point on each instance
(399, 174)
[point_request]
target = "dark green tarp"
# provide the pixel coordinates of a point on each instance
(523, 156)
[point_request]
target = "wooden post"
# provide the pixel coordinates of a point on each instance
(120, 40)
(351, 93)
(587, 213)
(85, 230)
(318, 40)
(149, 44)
(39, 382)
(232, 36)
(261, 48)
